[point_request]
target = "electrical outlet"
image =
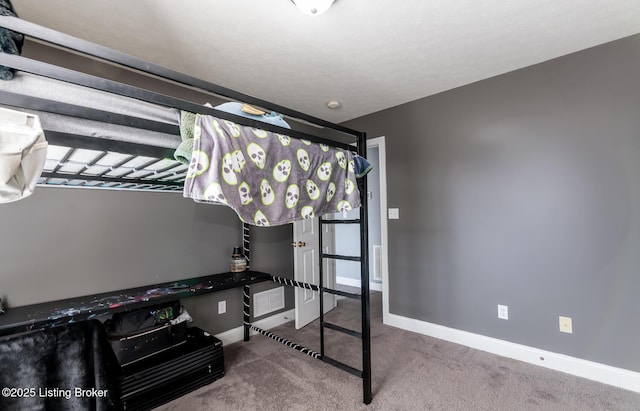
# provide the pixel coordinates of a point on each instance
(394, 214)
(565, 325)
(503, 312)
(222, 307)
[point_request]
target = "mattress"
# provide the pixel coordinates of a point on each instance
(61, 92)
(102, 165)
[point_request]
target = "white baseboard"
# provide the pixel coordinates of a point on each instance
(352, 282)
(618, 377)
(237, 334)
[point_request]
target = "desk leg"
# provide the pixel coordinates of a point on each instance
(246, 307)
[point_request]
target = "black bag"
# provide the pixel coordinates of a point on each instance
(143, 318)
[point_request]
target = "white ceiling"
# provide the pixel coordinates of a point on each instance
(368, 54)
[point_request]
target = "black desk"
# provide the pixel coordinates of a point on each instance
(36, 316)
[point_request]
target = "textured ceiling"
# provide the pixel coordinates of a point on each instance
(368, 54)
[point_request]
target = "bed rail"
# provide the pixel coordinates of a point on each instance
(73, 43)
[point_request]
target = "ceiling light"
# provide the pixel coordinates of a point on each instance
(334, 104)
(313, 7)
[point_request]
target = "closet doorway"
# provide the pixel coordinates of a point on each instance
(345, 239)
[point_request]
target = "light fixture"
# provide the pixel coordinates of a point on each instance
(313, 7)
(334, 104)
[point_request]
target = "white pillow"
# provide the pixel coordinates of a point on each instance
(23, 151)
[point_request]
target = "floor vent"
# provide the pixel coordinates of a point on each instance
(268, 301)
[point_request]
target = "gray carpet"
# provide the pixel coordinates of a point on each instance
(410, 372)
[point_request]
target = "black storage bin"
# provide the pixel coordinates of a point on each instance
(158, 379)
(140, 333)
(135, 346)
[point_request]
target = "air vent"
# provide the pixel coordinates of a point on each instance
(268, 301)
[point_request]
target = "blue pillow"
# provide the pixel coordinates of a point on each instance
(236, 108)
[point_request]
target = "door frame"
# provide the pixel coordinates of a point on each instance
(384, 233)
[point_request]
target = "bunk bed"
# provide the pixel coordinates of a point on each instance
(104, 134)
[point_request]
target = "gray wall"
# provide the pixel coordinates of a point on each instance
(523, 190)
(63, 242)
(272, 253)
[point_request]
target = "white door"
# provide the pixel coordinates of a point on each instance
(306, 260)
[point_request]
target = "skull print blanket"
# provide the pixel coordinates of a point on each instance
(268, 178)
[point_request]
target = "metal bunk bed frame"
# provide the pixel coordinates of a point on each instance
(174, 183)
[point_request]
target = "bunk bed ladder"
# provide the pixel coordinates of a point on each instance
(365, 334)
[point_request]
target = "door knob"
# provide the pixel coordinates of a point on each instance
(299, 244)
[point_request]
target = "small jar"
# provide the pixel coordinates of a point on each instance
(238, 262)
